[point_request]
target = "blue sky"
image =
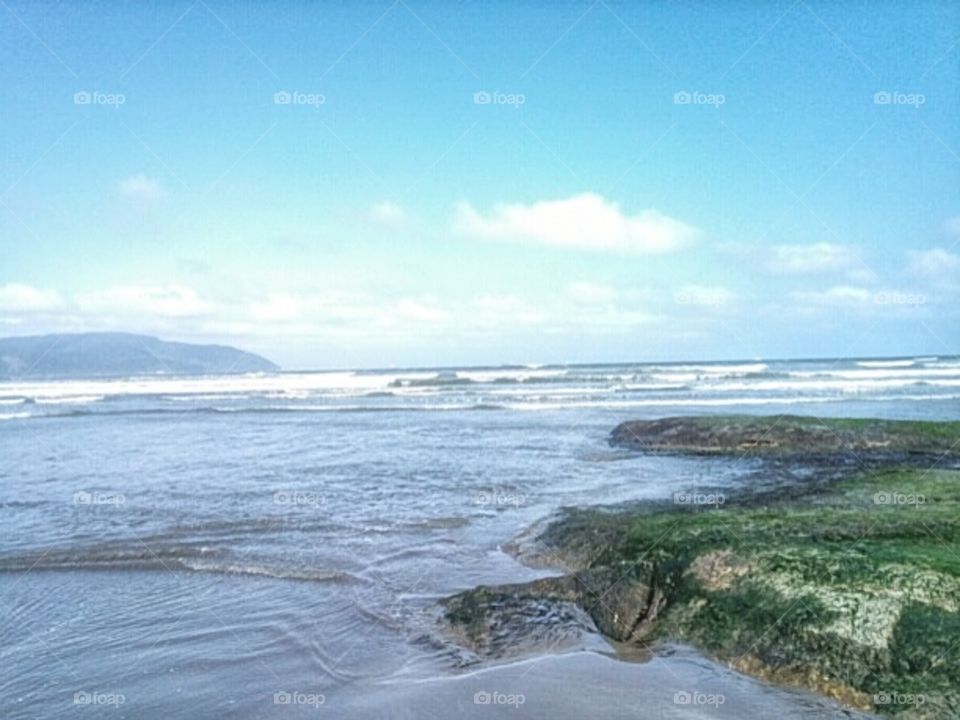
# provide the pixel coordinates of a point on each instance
(402, 183)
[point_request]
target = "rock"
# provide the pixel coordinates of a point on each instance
(787, 435)
(611, 600)
(847, 585)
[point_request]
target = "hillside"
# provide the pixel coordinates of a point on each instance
(119, 354)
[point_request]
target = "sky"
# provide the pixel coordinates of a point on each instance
(413, 182)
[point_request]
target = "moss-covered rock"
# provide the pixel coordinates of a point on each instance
(787, 435)
(852, 590)
(501, 620)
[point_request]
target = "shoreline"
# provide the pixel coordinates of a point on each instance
(836, 576)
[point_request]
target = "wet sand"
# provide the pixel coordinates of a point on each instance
(677, 685)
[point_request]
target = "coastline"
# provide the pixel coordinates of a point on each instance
(835, 575)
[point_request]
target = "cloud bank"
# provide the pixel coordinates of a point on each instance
(582, 222)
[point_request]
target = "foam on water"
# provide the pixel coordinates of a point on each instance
(507, 389)
(886, 363)
(14, 416)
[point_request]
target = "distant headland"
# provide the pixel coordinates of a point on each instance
(114, 354)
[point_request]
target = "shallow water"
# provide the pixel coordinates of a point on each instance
(196, 546)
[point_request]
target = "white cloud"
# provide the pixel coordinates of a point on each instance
(420, 311)
(141, 189)
(172, 301)
(703, 295)
(584, 222)
(494, 310)
(388, 214)
(498, 303)
(934, 263)
(15, 297)
(841, 295)
(861, 276)
(311, 313)
(813, 258)
(277, 308)
(590, 293)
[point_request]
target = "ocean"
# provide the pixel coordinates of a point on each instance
(275, 545)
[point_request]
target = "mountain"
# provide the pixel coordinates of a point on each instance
(119, 354)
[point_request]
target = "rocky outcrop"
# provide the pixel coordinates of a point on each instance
(617, 602)
(786, 435)
(851, 589)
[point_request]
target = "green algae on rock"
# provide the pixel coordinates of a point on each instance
(851, 590)
(787, 434)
